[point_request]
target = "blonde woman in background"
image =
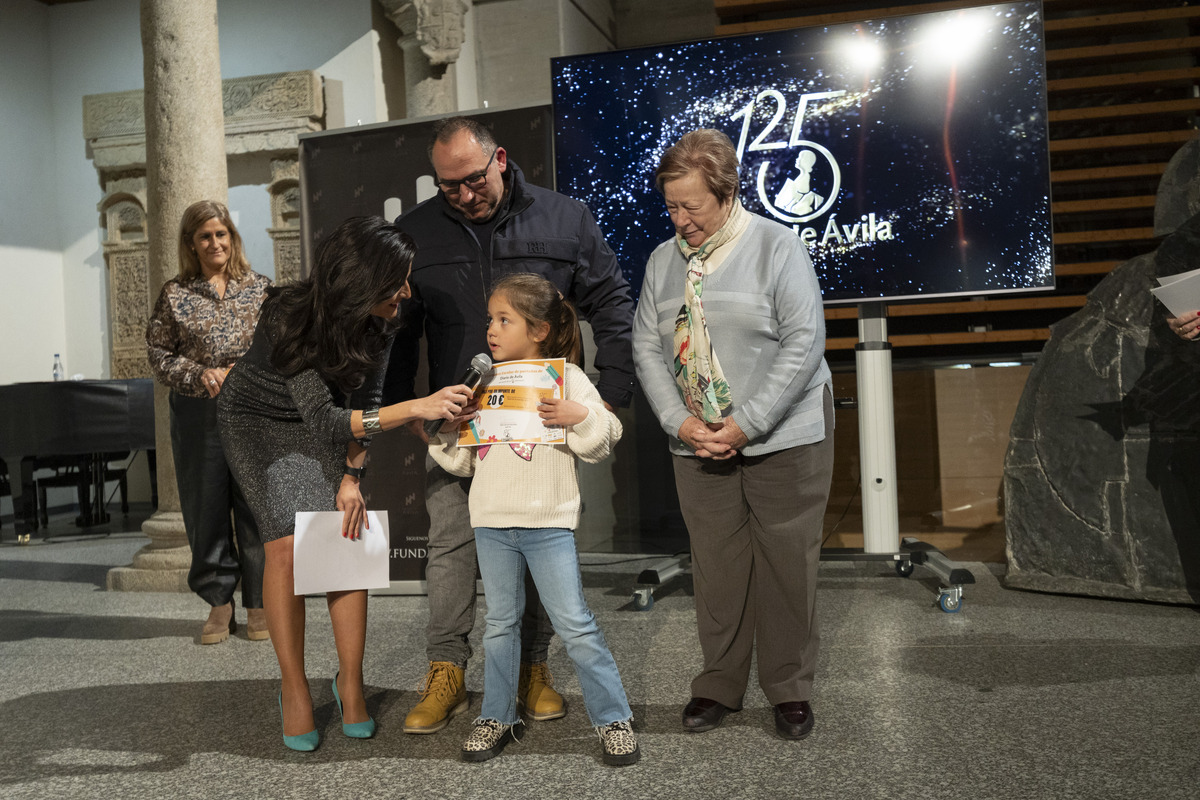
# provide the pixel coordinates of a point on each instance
(202, 323)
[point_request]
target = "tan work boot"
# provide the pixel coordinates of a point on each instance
(256, 625)
(536, 695)
(443, 695)
(219, 625)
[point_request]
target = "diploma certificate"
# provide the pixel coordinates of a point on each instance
(508, 404)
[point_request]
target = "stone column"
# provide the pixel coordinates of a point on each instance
(431, 37)
(185, 159)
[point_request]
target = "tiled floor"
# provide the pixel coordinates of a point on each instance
(1019, 695)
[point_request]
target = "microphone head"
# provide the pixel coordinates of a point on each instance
(482, 363)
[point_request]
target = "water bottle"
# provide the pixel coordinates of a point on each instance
(58, 372)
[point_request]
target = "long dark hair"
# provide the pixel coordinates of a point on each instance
(538, 301)
(324, 321)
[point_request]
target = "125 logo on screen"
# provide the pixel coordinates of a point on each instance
(802, 196)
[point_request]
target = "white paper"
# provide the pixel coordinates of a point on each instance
(1179, 293)
(1169, 279)
(325, 561)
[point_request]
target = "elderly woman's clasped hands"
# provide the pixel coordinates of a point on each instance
(713, 440)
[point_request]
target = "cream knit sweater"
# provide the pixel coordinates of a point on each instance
(543, 492)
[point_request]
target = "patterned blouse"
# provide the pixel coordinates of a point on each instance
(192, 329)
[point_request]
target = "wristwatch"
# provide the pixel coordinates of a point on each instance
(355, 472)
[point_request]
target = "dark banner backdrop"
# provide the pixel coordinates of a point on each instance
(384, 169)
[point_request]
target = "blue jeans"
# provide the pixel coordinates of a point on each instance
(551, 558)
(450, 577)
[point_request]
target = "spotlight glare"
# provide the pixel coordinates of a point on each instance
(956, 40)
(863, 53)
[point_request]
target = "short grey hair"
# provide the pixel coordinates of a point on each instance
(707, 151)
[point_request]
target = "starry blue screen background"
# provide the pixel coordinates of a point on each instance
(927, 151)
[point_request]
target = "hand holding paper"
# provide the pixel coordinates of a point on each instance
(511, 401)
(324, 561)
(354, 509)
(1180, 294)
(562, 412)
(1186, 326)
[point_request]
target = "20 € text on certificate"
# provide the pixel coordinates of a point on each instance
(508, 403)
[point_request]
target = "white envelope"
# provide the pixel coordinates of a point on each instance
(324, 561)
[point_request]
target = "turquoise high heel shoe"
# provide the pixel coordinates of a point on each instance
(355, 730)
(305, 742)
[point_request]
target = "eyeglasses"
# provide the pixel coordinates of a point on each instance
(474, 182)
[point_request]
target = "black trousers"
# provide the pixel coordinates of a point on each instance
(214, 510)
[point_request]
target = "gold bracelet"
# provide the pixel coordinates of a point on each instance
(370, 422)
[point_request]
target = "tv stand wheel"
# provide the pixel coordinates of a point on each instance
(643, 599)
(950, 601)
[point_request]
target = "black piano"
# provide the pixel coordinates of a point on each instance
(88, 419)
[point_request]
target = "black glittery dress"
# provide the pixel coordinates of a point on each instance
(286, 437)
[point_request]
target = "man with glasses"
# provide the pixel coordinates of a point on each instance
(487, 222)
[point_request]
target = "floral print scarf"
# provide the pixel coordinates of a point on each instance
(698, 373)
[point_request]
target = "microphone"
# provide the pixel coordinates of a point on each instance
(480, 365)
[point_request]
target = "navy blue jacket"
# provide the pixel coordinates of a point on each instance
(537, 231)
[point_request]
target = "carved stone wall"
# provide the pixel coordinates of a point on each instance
(127, 256)
(264, 116)
(285, 217)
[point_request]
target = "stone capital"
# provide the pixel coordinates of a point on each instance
(262, 114)
(437, 27)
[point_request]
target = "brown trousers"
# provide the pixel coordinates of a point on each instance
(755, 528)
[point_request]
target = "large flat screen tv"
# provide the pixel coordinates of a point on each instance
(910, 153)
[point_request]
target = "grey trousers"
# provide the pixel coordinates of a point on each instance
(450, 571)
(755, 528)
(207, 495)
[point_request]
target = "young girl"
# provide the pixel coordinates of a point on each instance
(524, 505)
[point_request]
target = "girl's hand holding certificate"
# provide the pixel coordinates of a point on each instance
(557, 411)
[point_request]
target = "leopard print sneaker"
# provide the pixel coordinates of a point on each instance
(489, 737)
(619, 743)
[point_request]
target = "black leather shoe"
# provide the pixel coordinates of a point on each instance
(794, 720)
(702, 714)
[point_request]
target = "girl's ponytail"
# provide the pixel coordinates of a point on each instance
(568, 342)
(539, 301)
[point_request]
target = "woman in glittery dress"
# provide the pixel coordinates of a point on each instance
(296, 414)
(201, 325)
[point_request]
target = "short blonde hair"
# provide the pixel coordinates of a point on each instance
(196, 215)
(707, 151)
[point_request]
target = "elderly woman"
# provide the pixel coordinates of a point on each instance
(729, 343)
(202, 323)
